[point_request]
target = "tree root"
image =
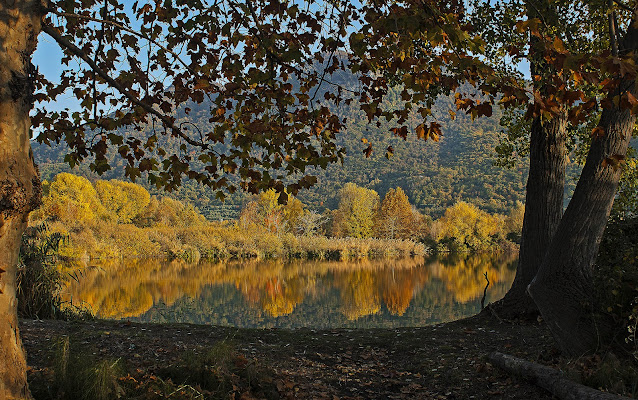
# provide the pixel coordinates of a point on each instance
(549, 379)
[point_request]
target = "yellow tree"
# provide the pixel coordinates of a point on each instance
(469, 227)
(357, 212)
(71, 199)
(514, 222)
(123, 200)
(396, 219)
(266, 211)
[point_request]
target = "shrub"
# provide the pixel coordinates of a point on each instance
(39, 280)
(616, 278)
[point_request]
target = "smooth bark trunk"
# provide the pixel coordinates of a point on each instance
(19, 181)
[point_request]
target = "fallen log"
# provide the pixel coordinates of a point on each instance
(549, 379)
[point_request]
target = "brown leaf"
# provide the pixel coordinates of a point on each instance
(598, 132)
(420, 131)
(368, 151)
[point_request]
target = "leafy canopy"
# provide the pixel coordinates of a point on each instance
(270, 70)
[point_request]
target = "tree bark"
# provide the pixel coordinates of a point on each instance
(549, 379)
(19, 182)
(563, 287)
(545, 182)
(543, 211)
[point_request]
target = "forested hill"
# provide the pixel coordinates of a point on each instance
(434, 175)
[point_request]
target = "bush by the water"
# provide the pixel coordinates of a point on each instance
(39, 280)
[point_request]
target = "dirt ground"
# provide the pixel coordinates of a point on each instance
(444, 361)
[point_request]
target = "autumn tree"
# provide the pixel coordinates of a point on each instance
(71, 199)
(583, 61)
(169, 212)
(258, 65)
(310, 223)
(468, 227)
(266, 211)
(357, 212)
(123, 200)
(513, 224)
(395, 219)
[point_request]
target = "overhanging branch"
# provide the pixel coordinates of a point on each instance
(51, 31)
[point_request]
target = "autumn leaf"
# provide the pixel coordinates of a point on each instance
(615, 161)
(420, 131)
(368, 151)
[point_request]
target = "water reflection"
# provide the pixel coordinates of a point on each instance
(405, 292)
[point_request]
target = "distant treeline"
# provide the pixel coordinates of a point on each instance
(114, 219)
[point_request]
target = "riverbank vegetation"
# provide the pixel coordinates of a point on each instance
(116, 219)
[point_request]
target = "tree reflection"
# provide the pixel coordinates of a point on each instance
(130, 288)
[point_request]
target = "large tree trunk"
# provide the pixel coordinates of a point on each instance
(19, 181)
(563, 287)
(545, 182)
(543, 211)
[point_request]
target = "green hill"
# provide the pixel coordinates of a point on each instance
(434, 175)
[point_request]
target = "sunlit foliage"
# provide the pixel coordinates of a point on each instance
(396, 218)
(357, 212)
(514, 223)
(72, 199)
(466, 227)
(266, 211)
(626, 202)
(123, 200)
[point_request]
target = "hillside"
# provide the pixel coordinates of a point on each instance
(433, 174)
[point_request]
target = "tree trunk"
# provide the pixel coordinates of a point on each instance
(543, 211)
(563, 287)
(19, 181)
(545, 182)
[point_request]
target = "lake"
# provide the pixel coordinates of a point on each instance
(292, 294)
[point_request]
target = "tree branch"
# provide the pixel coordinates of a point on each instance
(549, 379)
(129, 30)
(51, 31)
(612, 29)
(275, 56)
(623, 6)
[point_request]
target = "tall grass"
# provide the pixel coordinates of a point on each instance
(218, 241)
(39, 280)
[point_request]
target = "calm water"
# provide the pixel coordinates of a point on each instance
(369, 293)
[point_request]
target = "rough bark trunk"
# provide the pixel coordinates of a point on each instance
(563, 287)
(19, 181)
(549, 379)
(543, 211)
(545, 182)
